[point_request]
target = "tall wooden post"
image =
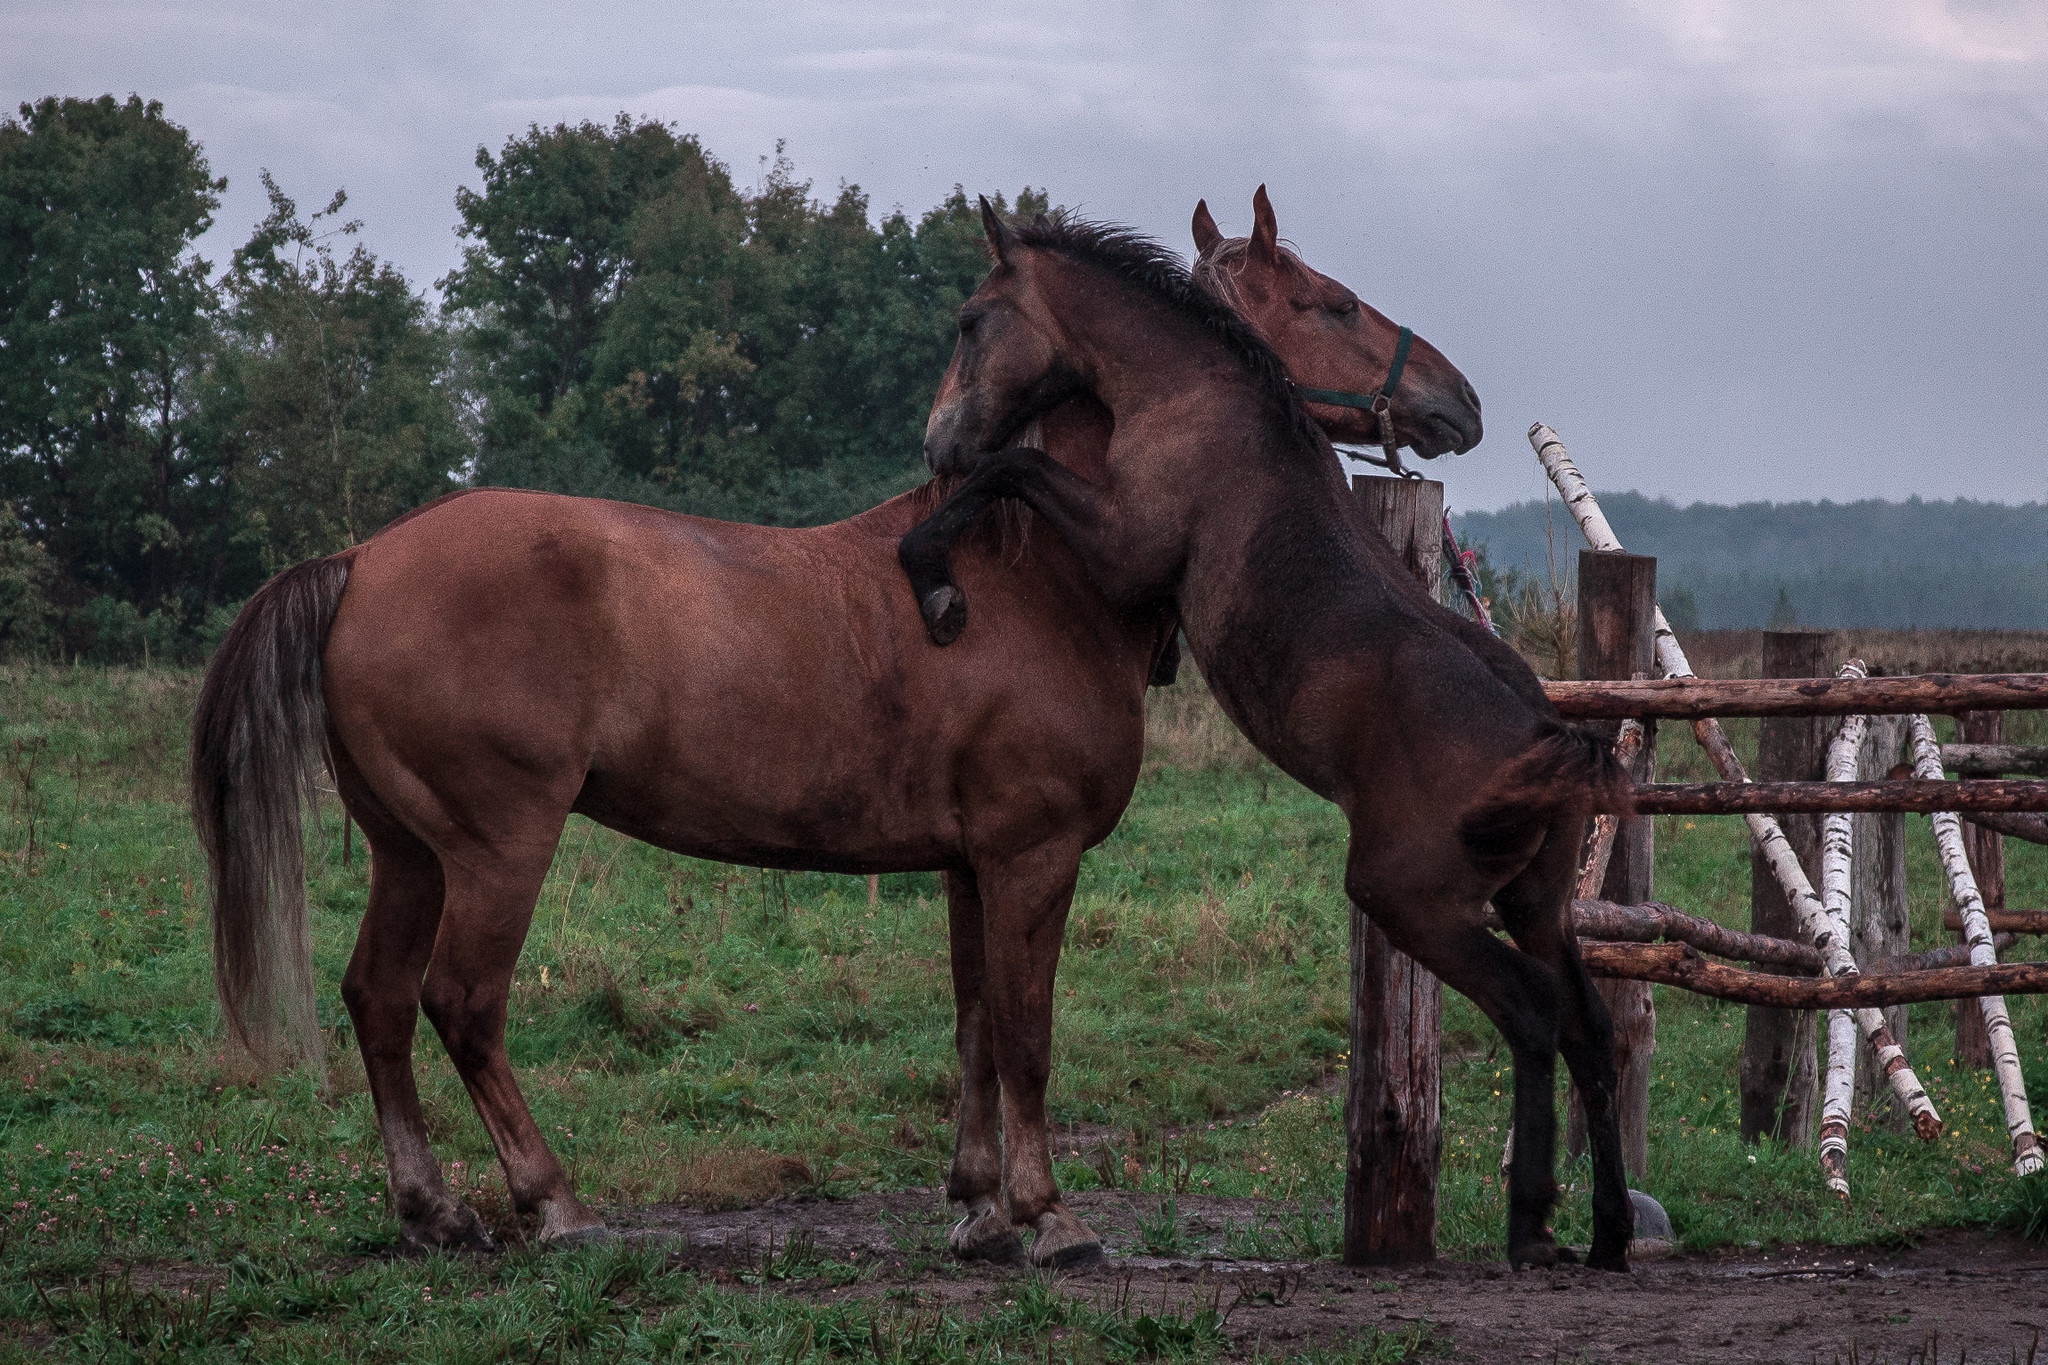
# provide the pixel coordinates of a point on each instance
(1617, 608)
(1780, 1076)
(1393, 1103)
(1986, 850)
(1878, 926)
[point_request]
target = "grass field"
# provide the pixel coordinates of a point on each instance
(687, 1031)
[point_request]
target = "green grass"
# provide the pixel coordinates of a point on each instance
(691, 1031)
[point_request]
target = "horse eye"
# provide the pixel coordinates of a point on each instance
(968, 323)
(1345, 308)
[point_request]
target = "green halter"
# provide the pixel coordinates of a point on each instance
(1380, 405)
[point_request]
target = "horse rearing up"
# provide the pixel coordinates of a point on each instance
(487, 665)
(1458, 780)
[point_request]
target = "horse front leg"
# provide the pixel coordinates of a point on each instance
(976, 1178)
(926, 552)
(1027, 900)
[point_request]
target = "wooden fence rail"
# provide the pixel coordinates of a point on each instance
(1682, 965)
(1906, 794)
(1691, 698)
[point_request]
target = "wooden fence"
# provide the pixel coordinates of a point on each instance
(1841, 951)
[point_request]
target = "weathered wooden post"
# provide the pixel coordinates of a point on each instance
(1780, 1076)
(1986, 849)
(1878, 918)
(1393, 1104)
(1617, 639)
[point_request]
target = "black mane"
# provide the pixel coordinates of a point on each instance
(1156, 271)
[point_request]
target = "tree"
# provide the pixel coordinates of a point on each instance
(103, 309)
(644, 328)
(329, 401)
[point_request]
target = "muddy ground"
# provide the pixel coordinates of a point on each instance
(1955, 1296)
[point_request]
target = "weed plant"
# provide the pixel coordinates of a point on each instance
(687, 1031)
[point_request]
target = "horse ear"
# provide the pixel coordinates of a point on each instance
(993, 228)
(1206, 235)
(1265, 228)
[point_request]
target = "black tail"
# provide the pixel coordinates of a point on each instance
(257, 742)
(1565, 768)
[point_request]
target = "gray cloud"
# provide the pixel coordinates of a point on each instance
(1731, 250)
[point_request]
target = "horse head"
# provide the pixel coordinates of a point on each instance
(1333, 341)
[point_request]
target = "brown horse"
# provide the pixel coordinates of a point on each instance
(1458, 780)
(490, 664)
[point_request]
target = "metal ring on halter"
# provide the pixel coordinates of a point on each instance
(1380, 405)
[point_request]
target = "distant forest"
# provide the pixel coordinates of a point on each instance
(1868, 564)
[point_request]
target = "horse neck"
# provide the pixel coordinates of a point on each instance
(1277, 575)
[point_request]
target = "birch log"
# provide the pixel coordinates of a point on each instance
(1806, 907)
(1837, 857)
(1962, 885)
(1600, 843)
(1578, 500)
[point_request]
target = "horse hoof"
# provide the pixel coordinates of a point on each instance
(945, 615)
(451, 1227)
(1534, 1256)
(1568, 1256)
(1601, 1260)
(1063, 1242)
(985, 1235)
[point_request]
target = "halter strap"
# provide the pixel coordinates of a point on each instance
(1340, 399)
(1380, 405)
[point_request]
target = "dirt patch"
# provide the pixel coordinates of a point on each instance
(1980, 1295)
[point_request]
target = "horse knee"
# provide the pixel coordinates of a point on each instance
(470, 1025)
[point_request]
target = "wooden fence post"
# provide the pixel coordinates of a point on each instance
(1617, 639)
(1780, 1076)
(1877, 897)
(1393, 1101)
(1986, 848)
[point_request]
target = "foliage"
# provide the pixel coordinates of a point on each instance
(331, 400)
(644, 328)
(104, 315)
(169, 439)
(627, 322)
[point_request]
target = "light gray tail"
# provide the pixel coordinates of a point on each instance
(258, 740)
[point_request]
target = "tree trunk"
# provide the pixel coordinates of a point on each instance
(1986, 850)
(1617, 608)
(1779, 1074)
(1878, 926)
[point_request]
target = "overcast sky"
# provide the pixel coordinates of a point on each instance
(1729, 250)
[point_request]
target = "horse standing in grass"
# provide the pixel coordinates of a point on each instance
(1458, 780)
(487, 665)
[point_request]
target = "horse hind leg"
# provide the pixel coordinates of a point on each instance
(382, 992)
(488, 908)
(976, 1178)
(1520, 996)
(1533, 908)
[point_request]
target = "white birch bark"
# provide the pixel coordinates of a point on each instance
(1837, 850)
(1600, 846)
(1578, 500)
(1962, 887)
(1763, 830)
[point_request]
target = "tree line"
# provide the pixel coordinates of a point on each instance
(1870, 563)
(627, 321)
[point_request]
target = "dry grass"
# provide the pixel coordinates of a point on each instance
(1739, 653)
(1186, 728)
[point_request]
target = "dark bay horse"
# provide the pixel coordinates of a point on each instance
(1458, 780)
(489, 664)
